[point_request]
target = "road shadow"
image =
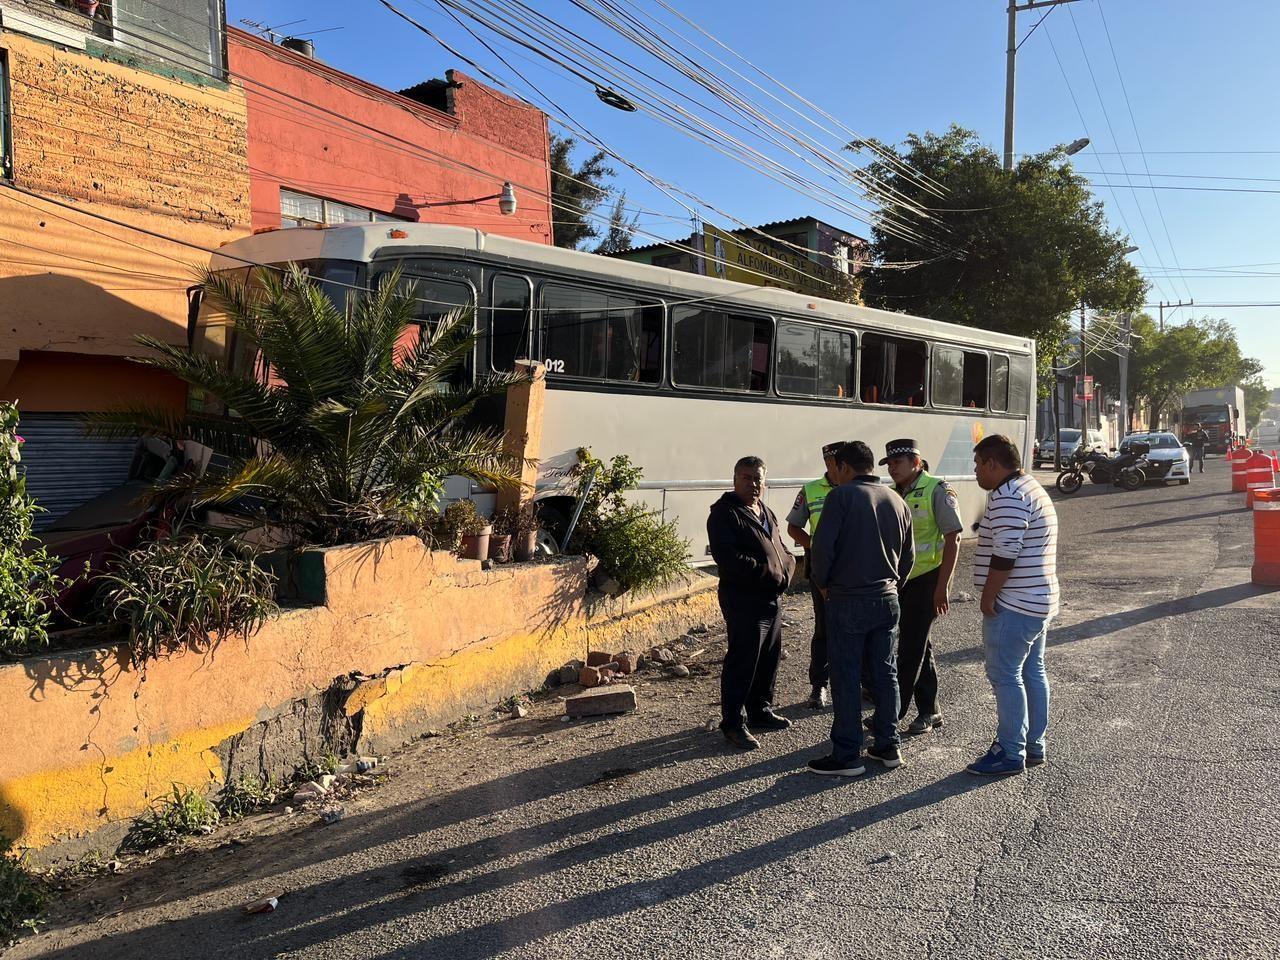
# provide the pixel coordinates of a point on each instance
(1167, 520)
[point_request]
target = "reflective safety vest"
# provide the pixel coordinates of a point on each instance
(815, 495)
(924, 525)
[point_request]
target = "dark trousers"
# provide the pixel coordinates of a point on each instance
(1197, 456)
(754, 625)
(819, 673)
(917, 671)
(862, 628)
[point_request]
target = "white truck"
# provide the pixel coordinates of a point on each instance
(1220, 411)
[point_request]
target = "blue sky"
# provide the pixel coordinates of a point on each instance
(1200, 88)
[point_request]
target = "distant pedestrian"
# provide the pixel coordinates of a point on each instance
(755, 567)
(1199, 440)
(936, 528)
(802, 523)
(862, 555)
(1015, 567)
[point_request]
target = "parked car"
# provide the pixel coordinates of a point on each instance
(1170, 461)
(1068, 441)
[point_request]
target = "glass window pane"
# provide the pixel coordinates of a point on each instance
(574, 325)
(893, 370)
(509, 328)
(974, 392)
(1020, 380)
(797, 358)
(335, 213)
(301, 209)
(713, 349)
(634, 341)
(835, 367)
(948, 376)
(999, 383)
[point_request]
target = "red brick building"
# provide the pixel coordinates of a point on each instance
(326, 147)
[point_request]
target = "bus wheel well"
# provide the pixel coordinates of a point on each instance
(553, 516)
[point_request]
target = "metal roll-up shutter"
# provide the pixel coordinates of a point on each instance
(64, 468)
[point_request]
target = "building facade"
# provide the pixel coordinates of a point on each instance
(325, 147)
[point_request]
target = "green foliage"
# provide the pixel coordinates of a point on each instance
(633, 544)
(246, 796)
(311, 769)
(1021, 248)
(28, 583)
(576, 192)
(620, 230)
(1257, 398)
(348, 438)
(184, 813)
(22, 894)
(176, 591)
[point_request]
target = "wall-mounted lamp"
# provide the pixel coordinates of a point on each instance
(506, 201)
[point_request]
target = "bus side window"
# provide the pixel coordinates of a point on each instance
(974, 390)
(721, 350)
(893, 370)
(1021, 376)
(510, 333)
(814, 362)
(999, 383)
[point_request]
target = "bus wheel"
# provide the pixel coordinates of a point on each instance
(553, 524)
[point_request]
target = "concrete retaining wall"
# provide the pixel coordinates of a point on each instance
(406, 639)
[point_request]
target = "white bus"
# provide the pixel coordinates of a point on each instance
(686, 373)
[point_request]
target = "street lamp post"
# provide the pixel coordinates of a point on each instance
(1011, 56)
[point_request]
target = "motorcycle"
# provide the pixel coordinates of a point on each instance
(1127, 470)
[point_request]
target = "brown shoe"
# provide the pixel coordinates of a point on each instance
(740, 737)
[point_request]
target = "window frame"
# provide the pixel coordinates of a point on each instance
(821, 328)
(928, 368)
(375, 216)
(535, 329)
(980, 351)
(770, 319)
(992, 357)
(642, 301)
(6, 122)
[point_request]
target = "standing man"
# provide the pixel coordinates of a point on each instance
(935, 529)
(755, 568)
(862, 555)
(1199, 440)
(1015, 567)
(806, 512)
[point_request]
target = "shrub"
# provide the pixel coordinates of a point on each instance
(177, 591)
(460, 519)
(634, 545)
(247, 795)
(29, 585)
(22, 894)
(185, 813)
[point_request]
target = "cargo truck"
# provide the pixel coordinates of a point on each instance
(1220, 411)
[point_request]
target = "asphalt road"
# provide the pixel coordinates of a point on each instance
(1153, 831)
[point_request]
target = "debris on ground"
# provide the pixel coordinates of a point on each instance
(677, 670)
(598, 658)
(618, 698)
(332, 814)
(265, 905)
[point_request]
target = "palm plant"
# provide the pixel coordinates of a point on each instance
(344, 427)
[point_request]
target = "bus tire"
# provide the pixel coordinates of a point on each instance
(553, 524)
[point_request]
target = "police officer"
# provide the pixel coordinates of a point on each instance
(805, 513)
(936, 526)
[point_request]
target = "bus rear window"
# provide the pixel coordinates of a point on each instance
(601, 336)
(721, 350)
(999, 382)
(892, 370)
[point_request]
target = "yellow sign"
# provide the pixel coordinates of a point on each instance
(756, 260)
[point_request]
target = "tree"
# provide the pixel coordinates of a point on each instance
(358, 423)
(1014, 251)
(618, 237)
(1257, 398)
(576, 192)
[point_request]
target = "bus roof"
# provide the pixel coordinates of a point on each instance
(366, 242)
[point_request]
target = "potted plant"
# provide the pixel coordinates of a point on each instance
(469, 528)
(504, 528)
(526, 531)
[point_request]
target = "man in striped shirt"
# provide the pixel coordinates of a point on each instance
(1015, 567)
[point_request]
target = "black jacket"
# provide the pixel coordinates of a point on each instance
(864, 545)
(749, 560)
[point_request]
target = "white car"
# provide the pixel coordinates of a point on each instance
(1069, 440)
(1170, 460)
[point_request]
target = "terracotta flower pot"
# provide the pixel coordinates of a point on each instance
(475, 546)
(500, 547)
(526, 544)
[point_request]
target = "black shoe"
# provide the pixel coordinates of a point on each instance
(923, 724)
(890, 756)
(1034, 759)
(831, 767)
(819, 698)
(768, 720)
(740, 737)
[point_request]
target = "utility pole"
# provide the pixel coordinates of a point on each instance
(1057, 421)
(1174, 306)
(1126, 324)
(1084, 373)
(1011, 56)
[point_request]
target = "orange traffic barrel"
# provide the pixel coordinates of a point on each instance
(1238, 459)
(1259, 475)
(1266, 538)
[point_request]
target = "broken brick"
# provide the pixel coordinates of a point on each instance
(598, 658)
(589, 676)
(625, 662)
(618, 698)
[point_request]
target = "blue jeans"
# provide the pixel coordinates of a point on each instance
(1014, 647)
(858, 627)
